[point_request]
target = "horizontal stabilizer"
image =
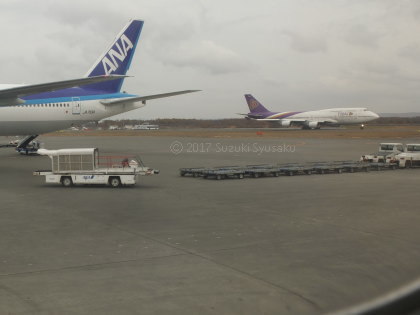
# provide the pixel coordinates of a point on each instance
(145, 98)
(12, 96)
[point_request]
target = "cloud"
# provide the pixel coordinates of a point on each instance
(305, 43)
(204, 55)
(362, 36)
(411, 52)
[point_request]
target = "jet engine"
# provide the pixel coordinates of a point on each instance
(285, 123)
(311, 125)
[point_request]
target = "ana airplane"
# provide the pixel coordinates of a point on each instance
(35, 109)
(310, 119)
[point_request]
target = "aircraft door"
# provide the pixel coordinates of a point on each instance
(76, 106)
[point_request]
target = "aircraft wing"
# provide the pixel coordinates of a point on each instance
(301, 121)
(280, 119)
(12, 96)
(254, 116)
(144, 98)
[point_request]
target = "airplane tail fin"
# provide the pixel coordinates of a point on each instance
(117, 58)
(254, 105)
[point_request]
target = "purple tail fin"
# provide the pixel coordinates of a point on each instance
(254, 105)
(117, 58)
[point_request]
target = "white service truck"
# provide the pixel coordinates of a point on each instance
(387, 151)
(410, 157)
(85, 166)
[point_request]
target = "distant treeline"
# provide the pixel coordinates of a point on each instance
(192, 123)
(236, 123)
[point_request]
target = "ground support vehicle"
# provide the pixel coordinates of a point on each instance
(410, 157)
(85, 166)
(387, 151)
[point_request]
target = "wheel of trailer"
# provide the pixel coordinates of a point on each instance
(115, 182)
(339, 170)
(351, 170)
(219, 177)
(321, 171)
(256, 175)
(276, 174)
(195, 175)
(291, 173)
(66, 181)
(240, 176)
(308, 172)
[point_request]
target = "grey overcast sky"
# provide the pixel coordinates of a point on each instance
(290, 54)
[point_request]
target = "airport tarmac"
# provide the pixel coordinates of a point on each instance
(175, 245)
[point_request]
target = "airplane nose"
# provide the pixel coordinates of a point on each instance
(373, 115)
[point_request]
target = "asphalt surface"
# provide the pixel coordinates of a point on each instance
(175, 245)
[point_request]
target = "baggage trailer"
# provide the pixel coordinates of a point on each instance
(294, 169)
(290, 169)
(262, 172)
(352, 167)
(224, 173)
(378, 166)
(192, 171)
(85, 166)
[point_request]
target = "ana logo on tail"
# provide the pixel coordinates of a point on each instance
(109, 62)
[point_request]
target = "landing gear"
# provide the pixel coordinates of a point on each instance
(362, 126)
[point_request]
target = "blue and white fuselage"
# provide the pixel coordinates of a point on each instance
(41, 108)
(53, 111)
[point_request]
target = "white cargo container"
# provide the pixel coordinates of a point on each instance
(86, 166)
